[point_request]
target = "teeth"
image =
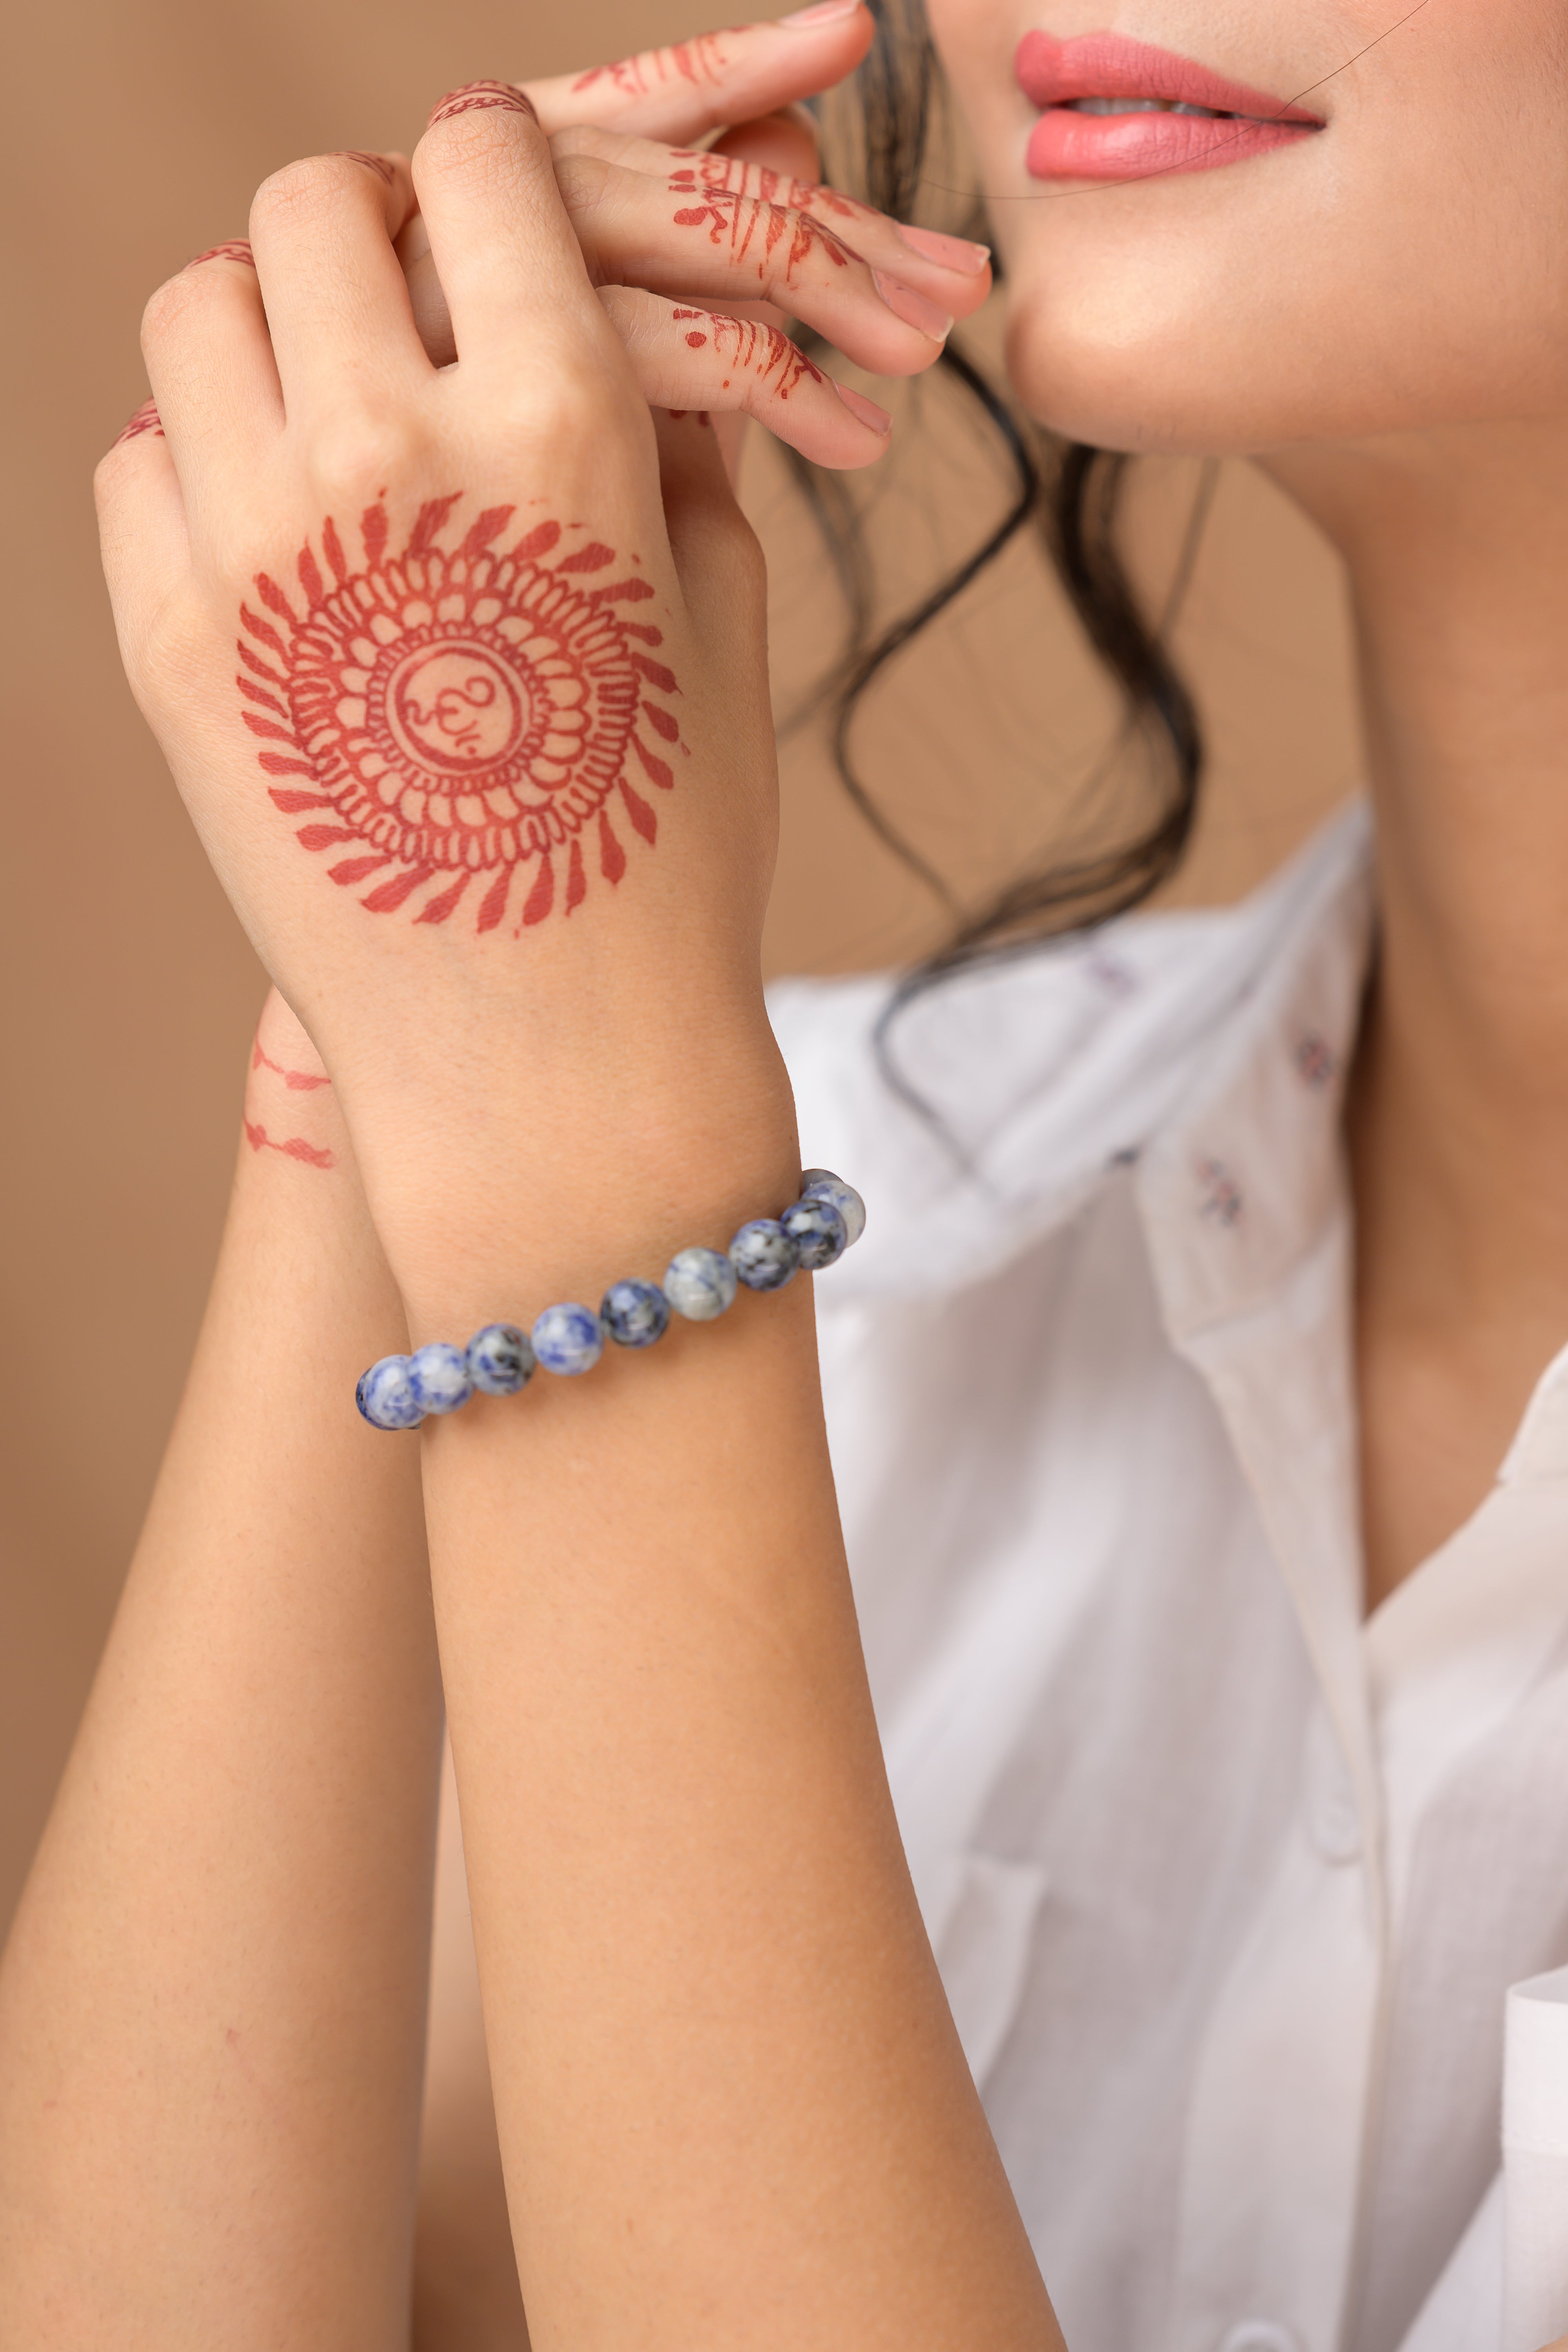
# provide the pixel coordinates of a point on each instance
(1143, 106)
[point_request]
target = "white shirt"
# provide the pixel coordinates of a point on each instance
(1228, 1886)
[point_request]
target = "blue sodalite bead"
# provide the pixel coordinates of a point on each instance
(439, 1375)
(822, 1184)
(500, 1360)
(386, 1395)
(817, 1231)
(763, 1255)
(634, 1313)
(568, 1338)
(700, 1284)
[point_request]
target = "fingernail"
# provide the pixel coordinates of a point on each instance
(947, 252)
(867, 411)
(824, 13)
(912, 308)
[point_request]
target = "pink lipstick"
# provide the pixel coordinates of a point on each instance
(1119, 109)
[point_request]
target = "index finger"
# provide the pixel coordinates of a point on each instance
(682, 92)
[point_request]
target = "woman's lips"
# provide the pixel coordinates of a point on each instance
(1230, 123)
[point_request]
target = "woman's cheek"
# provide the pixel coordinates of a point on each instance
(1401, 270)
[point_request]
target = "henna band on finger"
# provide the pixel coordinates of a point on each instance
(699, 1285)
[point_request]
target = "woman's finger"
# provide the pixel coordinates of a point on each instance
(686, 359)
(215, 380)
(786, 142)
(501, 242)
(142, 517)
(727, 195)
(337, 308)
(719, 565)
(713, 236)
(694, 86)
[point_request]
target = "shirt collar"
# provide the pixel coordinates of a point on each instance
(1040, 1077)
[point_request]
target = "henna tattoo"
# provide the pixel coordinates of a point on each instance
(730, 175)
(146, 420)
(297, 1081)
(741, 220)
(377, 163)
(475, 96)
(761, 351)
(454, 713)
(293, 1147)
(237, 248)
(701, 61)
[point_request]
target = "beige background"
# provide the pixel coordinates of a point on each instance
(137, 135)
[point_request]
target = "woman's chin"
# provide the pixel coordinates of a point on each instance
(1134, 367)
(1079, 372)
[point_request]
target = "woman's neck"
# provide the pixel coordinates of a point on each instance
(1458, 1113)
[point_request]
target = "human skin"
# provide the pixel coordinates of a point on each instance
(211, 2008)
(1378, 315)
(1379, 319)
(675, 1813)
(661, 2163)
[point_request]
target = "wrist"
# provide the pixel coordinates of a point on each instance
(494, 1201)
(291, 1112)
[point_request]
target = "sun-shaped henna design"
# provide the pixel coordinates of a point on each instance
(459, 713)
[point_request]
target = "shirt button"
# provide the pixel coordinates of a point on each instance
(1334, 1821)
(1335, 1824)
(1261, 2335)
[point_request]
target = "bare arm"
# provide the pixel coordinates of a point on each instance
(502, 672)
(212, 2006)
(732, 2108)
(466, 2292)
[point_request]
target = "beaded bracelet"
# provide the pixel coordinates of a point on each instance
(699, 1284)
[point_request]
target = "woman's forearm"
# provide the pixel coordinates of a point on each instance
(732, 2108)
(212, 2007)
(731, 2104)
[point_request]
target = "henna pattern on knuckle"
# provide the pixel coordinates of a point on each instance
(236, 248)
(701, 62)
(377, 163)
(761, 351)
(742, 221)
(475, 96)
(146, 420)
(455, 714)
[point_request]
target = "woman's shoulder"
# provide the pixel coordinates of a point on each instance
(989, 1107)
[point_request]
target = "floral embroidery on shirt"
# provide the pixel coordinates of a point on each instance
(1222, 1200)
(1315, 1060)
(1109, 971)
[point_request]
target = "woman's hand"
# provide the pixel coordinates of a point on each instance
(464, 687)
(665, 229)
(462, 669)
(690, 230)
